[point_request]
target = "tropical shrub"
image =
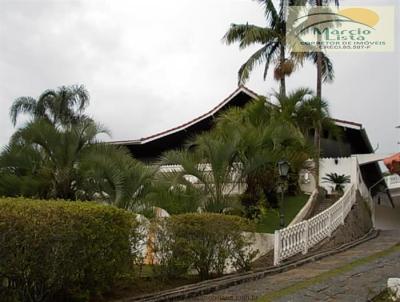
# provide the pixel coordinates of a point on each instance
(338, 181)
(210, 160)
(57, 250)
(175, 198)
(203, 242)
(57, 154)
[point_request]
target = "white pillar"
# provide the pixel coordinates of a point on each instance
(305, 237)
(354, 171)
(277, 247)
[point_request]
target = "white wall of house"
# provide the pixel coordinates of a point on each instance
(339, 165)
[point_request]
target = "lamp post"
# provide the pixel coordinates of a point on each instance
(283, 169)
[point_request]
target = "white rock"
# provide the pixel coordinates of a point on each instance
(393, 285)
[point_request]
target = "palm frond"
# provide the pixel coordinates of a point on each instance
(248, 34)
(255, 59)
(22, 105)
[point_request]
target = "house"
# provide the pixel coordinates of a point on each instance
(354, 139)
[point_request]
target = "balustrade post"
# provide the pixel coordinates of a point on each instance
(342, 210)
(277, 247)
(329, 223)
(305, 237)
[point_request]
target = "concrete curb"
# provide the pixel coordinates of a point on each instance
(209, 286)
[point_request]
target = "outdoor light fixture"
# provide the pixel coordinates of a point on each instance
(283, 167)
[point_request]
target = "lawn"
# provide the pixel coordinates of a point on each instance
(269, 222)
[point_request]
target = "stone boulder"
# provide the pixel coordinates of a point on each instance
(393, 285)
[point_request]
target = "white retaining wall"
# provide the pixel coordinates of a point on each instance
(306, 208)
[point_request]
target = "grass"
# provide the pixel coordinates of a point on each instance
(326, 275)
(269, 222)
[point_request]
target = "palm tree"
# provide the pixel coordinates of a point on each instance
(337, 180)
(110, 174)
(273, 41)
(319, 58)
(46, 161)
(308, 113)
(265, 138)
(210, 161)
(57, 155)
(23, 171)
(174, 193)
(62, 106)
(60, 150)
(274, 46)
(315, 113)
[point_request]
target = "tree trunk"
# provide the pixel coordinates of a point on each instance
(317, 144)
(319, 63)
(283, 77)
(317, 133)
(319, 73)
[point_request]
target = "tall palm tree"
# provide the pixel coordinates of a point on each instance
(272, 39)
(64, 105)
(274, 48)
(319, 59)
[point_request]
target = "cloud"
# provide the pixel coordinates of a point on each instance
(151, 65)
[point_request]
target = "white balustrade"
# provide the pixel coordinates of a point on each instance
(302, 236)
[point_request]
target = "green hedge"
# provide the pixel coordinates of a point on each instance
(203, 242)
(62, 251)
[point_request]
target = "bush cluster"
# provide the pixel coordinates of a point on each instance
(62, 251)
(206, 243)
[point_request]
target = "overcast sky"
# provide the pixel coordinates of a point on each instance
(152, 65)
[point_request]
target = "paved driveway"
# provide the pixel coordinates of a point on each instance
(359, 283)
(387, 217)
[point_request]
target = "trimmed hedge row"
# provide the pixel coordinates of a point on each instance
(62, 251)
(206, 243)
